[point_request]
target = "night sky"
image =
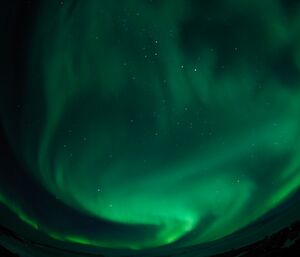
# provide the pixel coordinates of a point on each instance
(136, 124)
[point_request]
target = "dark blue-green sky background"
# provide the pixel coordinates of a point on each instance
(143, 124)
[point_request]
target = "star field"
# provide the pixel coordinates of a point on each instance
(153, 123)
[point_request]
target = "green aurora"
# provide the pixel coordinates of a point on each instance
(175, 120)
